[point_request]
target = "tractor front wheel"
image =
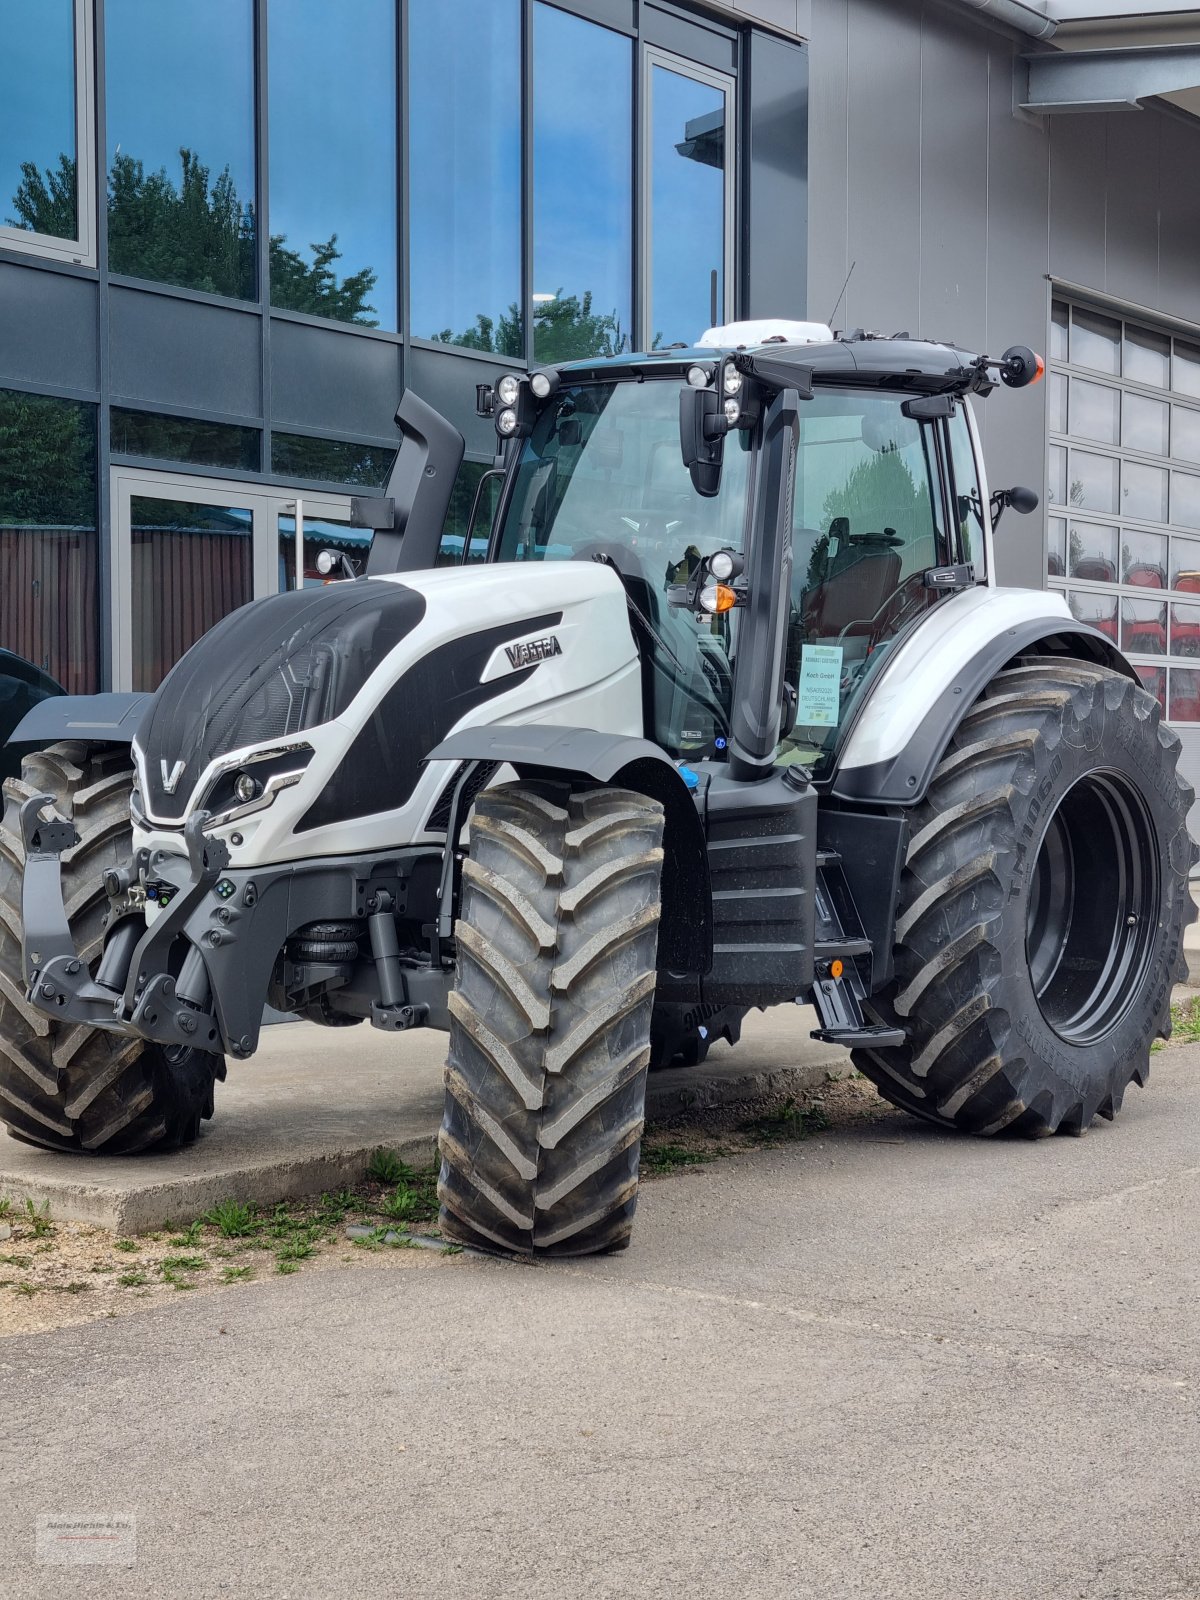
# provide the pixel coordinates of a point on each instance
(64, 1085)
(550, 1020)
(1042, 908)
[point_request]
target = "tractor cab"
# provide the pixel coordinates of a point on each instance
(654, 466)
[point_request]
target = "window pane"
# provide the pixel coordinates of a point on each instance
(1144, 424)
(48, 548)
(1185, 695)
(190, 567)
(37, 118)
(458, 516)
(333, 159)
(1056, 544)
(1092, 552)
(1185, 565)
(1144, 559)
(1185, 370)
(687, 197)
(320, 533)
(1097, 610)
(1144, 627)
(1058, 331)
(1095, 342)
(1095, 411)
(210, 444)
(1143, 492)
(1147, 357)
(582, 200)
(181, 191)
(1056, 409)
(1185, 499)
(1154, 679)
(1185, 433)
(294, 455)
(464, 120)
(1093, 485)
(1056, 476)
(1185, 630)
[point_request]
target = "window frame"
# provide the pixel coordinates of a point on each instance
(655, 56)
(81, 251)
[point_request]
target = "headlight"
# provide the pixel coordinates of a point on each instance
(508, 390)
(542, 384)
(721, 565)
(698, 377)
(245, 788)
(732, 381)
(732, 412)
(506, 423)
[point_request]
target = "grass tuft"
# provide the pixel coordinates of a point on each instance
(660, 1158)
(385, 1166)
(233, 1219)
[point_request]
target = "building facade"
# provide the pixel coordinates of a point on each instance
(230, 234)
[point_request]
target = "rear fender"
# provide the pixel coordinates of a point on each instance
(922, 694)
(540, 750)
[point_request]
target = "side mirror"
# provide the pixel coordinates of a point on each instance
(1022, 500)
(702, 430)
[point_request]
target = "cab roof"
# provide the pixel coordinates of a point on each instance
(856, 360)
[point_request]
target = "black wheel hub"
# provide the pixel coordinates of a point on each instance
(1093, 907)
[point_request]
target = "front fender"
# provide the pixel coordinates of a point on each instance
(926, 688)
(541, 750)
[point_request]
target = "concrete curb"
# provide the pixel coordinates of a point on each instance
(307, 1113)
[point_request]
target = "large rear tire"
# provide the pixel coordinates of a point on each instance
(1042, 908)
(67, 1086)
(550, 1020)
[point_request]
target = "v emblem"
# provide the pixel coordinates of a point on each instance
(171, 775)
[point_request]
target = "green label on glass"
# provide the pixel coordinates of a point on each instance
(820, 682)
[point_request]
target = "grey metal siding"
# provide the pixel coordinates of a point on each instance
(958, 211)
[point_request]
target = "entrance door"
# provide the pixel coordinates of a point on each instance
(188, 550)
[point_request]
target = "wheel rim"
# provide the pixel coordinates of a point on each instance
(1093, 907)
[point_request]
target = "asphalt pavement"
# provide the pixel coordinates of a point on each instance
(884, 1361)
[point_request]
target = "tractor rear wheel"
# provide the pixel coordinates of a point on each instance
(550, 1019)
(1042, 908)
(66, 1086)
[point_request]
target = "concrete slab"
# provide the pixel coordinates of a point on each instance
(305, 1113)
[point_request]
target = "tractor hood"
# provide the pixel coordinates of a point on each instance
(305, 712)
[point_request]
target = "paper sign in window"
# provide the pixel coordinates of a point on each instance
(820, 684)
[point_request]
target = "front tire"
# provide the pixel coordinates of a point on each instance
(1042, 908)
(550, 1020)
(66, 1086)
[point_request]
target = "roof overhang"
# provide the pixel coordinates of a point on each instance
(1100, 80)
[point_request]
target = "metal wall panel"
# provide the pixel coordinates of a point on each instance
(171, 350)
(775, 224)
(883, 150)
(49, 328)
(325, 378)
(446, 379)
(958, 210)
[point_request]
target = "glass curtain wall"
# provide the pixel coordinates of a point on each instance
(39, 153)
(181, 167)
(464, 122)
(332, 113)
(582, 187)
(49, 609)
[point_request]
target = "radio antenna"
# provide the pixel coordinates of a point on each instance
(838, 301)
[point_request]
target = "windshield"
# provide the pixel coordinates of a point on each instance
(602, 477)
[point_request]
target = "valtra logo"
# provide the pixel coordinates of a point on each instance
(531, 651)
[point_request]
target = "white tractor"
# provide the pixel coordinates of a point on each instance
(733, 714)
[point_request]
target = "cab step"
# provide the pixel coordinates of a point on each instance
(864, 1038)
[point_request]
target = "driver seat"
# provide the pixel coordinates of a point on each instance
(855, 586)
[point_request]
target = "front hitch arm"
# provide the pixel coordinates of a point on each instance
(58, 981)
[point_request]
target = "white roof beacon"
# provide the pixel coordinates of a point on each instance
(731, 334)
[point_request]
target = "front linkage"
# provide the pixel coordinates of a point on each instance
(133, 992)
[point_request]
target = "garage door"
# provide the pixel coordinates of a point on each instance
(1123, 519)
